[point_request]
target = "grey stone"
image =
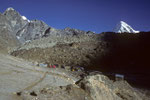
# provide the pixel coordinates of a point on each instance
(100, 87)
(16, 20)
(35, 29)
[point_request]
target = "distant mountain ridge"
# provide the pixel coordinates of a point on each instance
(24, 30)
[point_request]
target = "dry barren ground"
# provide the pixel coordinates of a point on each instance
(17, 75)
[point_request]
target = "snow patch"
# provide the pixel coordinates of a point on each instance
(25, 18)
(18, 37)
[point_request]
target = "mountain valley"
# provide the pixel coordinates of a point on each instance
(70, 64)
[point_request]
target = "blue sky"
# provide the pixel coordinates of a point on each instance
(93, 15)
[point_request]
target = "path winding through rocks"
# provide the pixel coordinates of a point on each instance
(18, 75)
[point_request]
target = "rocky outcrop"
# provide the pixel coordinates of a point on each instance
(17, 22)
(10, 22)
(5, 23)
(71, 31)
(100, 87)
(38, 29)
(21, 27)
(35, 29)
(7, 38)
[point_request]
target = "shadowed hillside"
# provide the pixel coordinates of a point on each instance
(128, 54)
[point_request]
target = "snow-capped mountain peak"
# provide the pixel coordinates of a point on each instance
(123, 27)
(14, 12)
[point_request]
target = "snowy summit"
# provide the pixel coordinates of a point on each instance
(123, 27)
(24, 18)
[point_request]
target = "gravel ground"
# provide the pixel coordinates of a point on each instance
(17, 75)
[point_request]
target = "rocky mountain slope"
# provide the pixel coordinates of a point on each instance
(7, 38)
(26, 30)
(64, 50)
(32, 30)
(17, 22)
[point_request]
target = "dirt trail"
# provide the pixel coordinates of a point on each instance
(19, 75)
(35, 83)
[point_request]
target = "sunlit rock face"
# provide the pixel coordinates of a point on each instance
(33, 30)
(17, 22)
(7, 35)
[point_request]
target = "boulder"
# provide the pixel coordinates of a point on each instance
(100, 87)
